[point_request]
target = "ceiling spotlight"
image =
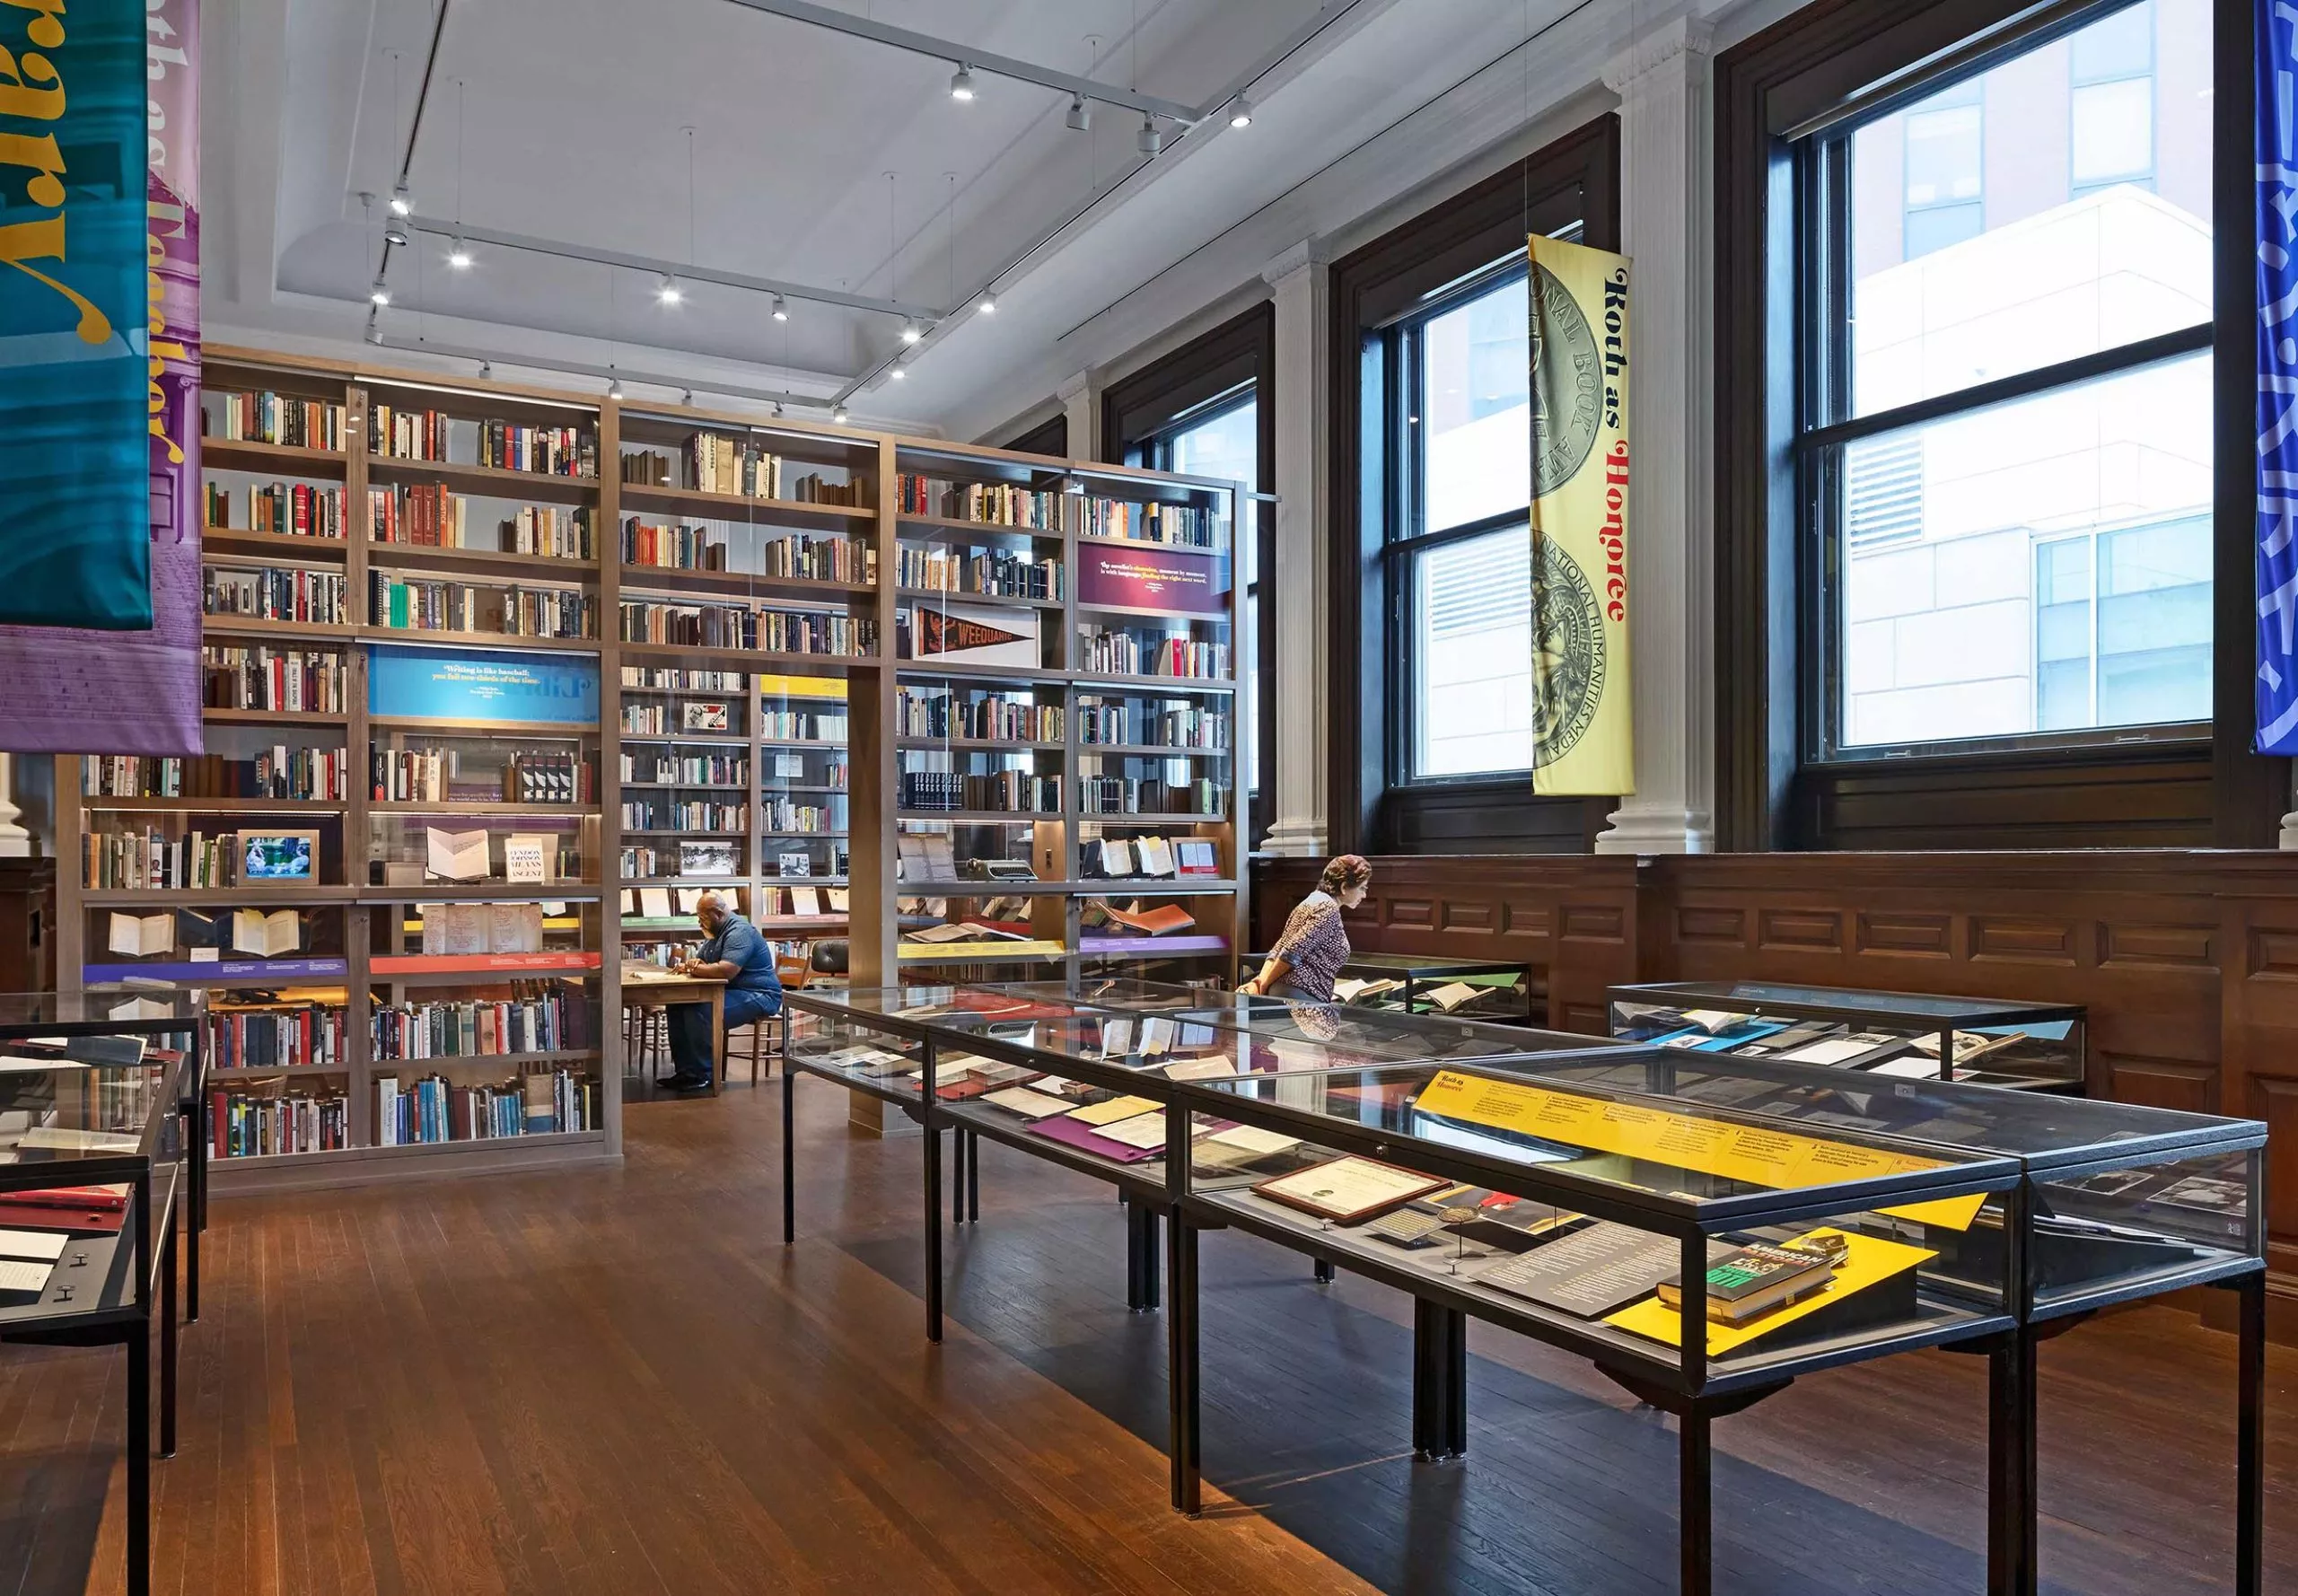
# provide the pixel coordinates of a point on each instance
(1151, 142)
(911, 331)
(614, 388)
(902, 374)
(402, 202)
(777, 410)
(686, 396)
(458, 254)
(1240, 114)
(837, 415)
(962, 84)
(668, 290)
(395, 233)
(374, 333)
(379, 295)
(1080, 115)
(988, 306)
(486, 371)
(781, 309)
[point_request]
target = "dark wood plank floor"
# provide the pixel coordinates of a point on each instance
(621, 1383)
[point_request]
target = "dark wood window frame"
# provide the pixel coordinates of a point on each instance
(1767, 796)
(1139, 406)
(1050, 436)
(1576, 177)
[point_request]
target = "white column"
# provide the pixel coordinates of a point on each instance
(1306, 695)
(1667, 226)
(1081, 398)
(15, 842)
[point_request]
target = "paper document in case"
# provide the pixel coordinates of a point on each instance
(1581, 741)
(456, 855)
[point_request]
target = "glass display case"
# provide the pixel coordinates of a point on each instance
(1422, 983)
(1903, 1035)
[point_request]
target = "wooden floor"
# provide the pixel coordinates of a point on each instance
(621, 1383)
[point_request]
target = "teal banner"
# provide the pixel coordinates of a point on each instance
(76, 511)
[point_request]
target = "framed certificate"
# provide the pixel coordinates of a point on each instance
(1346, 1191)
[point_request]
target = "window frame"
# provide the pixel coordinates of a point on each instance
(1812, 66)
(1825, 424)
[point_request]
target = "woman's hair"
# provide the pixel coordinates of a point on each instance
(1346, 873)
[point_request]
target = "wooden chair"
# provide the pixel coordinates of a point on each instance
(791, 970)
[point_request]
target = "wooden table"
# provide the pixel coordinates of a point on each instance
(650, 985)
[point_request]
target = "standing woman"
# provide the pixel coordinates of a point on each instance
(1308, 957)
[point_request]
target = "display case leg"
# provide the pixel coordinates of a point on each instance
(2010, 1428)
(789, 1155)
(973, 1178)
(197, 1203)
(1141, 1284)
(169, 1259)
(1181, 1363)
(932, 1155)
(958, 1151)
(1325, 1272)
(1440, 1369)
(1696, 1464)
(139, 1457)
(2249, 1464)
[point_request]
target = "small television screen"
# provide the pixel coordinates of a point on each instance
(278, 856)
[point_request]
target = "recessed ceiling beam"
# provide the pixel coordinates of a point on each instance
(966, 55)
(583, 368)
(686, 271)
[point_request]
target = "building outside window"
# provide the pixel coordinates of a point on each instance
(2034, 561)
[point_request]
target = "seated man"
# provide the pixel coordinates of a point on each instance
(736, 954)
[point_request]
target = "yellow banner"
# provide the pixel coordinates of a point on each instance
(1583, 736)
(1755, 1154)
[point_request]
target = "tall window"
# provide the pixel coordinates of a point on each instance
(2007, 435)
(1221, 438)
(1460, 543)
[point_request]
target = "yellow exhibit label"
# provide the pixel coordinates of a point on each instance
(1870, 1261)
(1783, 1160)
(782, 685)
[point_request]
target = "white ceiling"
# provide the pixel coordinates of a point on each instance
(564, 119)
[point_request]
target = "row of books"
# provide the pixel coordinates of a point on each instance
(736, 467)
(1163, 726)
(553, 778)
(434, 1109)
(276, 593)
(422, 605)
(1190, 526)
(304, 682)
(504, 445)
(151, 860)
(661, 678)
(688, 770)
(280, 772)
(984, 717)
(809, 556)
(992, 504)
(431, 516)
(267, 417)
(1149, 858)
(273, 1036)
(1005, 791)
(296, 510)
(987, 573)
(244, 1124)
(1124, 795)
(737, 626)
(436, 776)
(662, 719)
(785, 817)
(539, 1017)
(801, 725)
(1130, 654)
(646, 814)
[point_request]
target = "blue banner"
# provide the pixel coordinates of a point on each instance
(76, 513)
(2275, 220)
(525, 689)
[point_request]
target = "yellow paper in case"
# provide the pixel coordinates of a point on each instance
(1782, 1160)
(1113, 1110)
(1870, 1261)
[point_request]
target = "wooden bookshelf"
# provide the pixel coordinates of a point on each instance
(360, 927)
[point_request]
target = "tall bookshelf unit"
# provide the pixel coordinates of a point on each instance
(866, 684)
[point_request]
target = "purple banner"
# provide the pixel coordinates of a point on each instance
(256, 970)
(73, 691)
(1152, 578)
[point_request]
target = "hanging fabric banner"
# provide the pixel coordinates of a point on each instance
(2276, 221)
(95, 687)
(1582, 740)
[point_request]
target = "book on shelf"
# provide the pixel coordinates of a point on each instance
(1004, 791)
(289, 679)
(432, 1109)
(1191, 526)
(394, 434)
(421, 604)
(263, 416)
(240, 1034)
(925, 858)
(269, 593)
(279, 773)
(280, 509)
(687, 770)
(986, 504)
(1125, 652)
(1137, 795)
(151, 861)
(1164, 919)
(267, 935)
(1197, 855)
(140, 936)
(534, 1017)
(981, 572)
(986, 716)
(743, 626)
(268, 1118)
(1180, 725)
(456, 855)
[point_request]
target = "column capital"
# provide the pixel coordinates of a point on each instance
(1683, 35)
(1296, 258)
(1073, 386)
